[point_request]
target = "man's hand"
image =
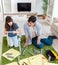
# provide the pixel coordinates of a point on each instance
(38, 40)
(26, 43)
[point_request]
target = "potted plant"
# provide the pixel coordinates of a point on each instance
(45, 8)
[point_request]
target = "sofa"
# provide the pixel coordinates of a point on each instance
(54, 31)
(54, 27)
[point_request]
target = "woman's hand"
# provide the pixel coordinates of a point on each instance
(18, 31)
(6, 32)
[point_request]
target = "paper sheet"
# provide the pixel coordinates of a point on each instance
(10, 31)
(24, 60)
(47, 63)
(14, 52)
(43, 58)
(34, 60)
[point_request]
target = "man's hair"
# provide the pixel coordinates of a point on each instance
(32, 19)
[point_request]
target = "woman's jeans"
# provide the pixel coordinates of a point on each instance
(13, 41)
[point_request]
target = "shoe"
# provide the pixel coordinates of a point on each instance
(52, 37)
(37, 51)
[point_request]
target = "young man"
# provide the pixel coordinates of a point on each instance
(33, 33)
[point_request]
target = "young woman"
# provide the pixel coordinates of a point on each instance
(12, 30)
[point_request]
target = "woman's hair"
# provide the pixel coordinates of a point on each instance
(7, 20)
(32, 19)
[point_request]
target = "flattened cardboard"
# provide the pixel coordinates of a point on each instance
(14, 52)
(24, 60)
(34, 60)
(47, 63)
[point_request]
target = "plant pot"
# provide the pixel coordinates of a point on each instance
(44, 16)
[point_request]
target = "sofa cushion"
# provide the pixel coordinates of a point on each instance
(54, 32)
(55, 20)
(54, 26)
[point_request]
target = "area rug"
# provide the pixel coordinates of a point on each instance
(11, 54)
(30, 48)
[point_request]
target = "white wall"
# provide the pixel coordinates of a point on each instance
(6, 6)
(11, 5)
(1, 12)
(36, 5)
(39, 6)
(14, 4)
(55, 9)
